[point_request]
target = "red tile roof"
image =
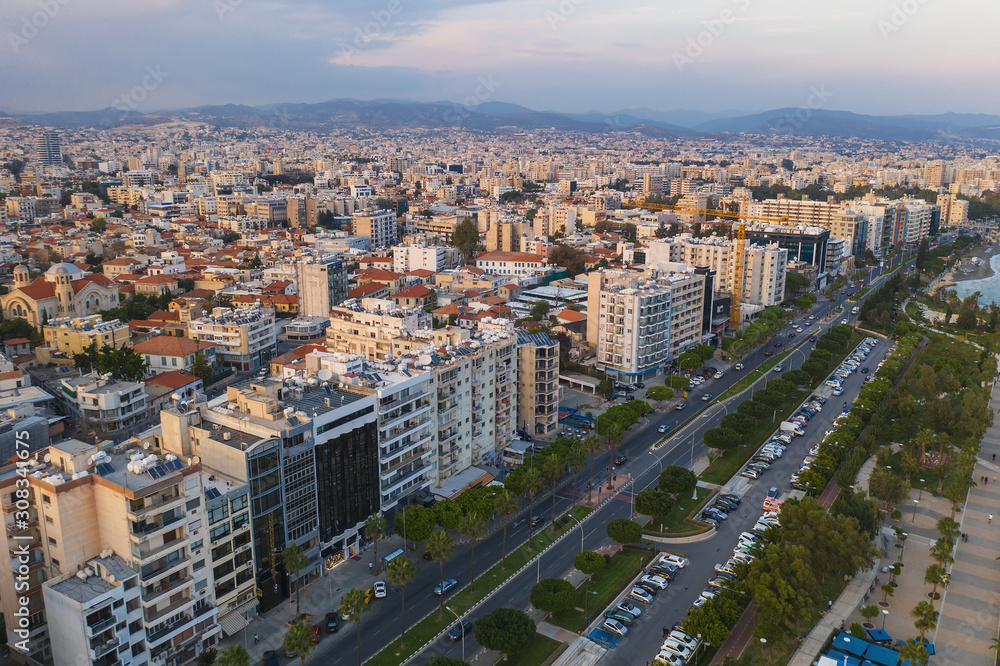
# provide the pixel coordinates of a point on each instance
(168, 345)
(174, 379)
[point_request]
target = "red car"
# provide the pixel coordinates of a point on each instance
(316, 632)
(777, 344)
(767, 352)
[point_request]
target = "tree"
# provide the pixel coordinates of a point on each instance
(414, 523)
(884, 486)
(466, 239)
(201, 368)
(353, 606)
(295, 560)
(575, 457)
(914, 653)
(505, 504)
(794, 282)
(99, 225)
(298, 639)
(624, 531)
(447, 514)
(869, 611)
(540, 310)
(208, 657)
(614, 435)
(441, 548)
(721, 438)
(440, 660)
(374, 530)
(234, 655)
(926, 617)
(553, 466)
(589, 562)
(856, 505)
(651, 502)
(937, 576)
(716, 618)
(660, 394)
(400, 572)
(533, 482)
(553, 595)
(782, 582)
(474, 527)
(505, 630)
(676, 480)
(591, 445)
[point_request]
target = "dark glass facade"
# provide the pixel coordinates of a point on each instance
(347, 479)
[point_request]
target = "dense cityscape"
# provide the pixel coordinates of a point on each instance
(452, 334)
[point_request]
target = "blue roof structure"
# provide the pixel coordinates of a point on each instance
(883, 656)
(850, 645)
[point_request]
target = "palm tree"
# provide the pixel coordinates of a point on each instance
(575, 458)
(995, 645)
(923, 438)
(926, 618)
(402, 571)
(533, 481)
(505, 503)
(914, 652)
(235, 655)
(948, 529)
(375, 530)
(474, 527)
(941, 552)
(353, 606)
(440, 546)
(591, 445)
(614, 437)
(553, 468)
(936, 575)
(295, 560)
(298, 640)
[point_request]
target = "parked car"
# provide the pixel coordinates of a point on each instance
(674, 560)
(316, 632)
(707, 397)
(629, 608)
(655, 580)
(331, 623)
(640, 594)
(460, 629)
(380, 590)
(615, 627)
(620, 616)
(444, 587)
(738, 366)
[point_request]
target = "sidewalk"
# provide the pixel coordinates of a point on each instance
(970, 606)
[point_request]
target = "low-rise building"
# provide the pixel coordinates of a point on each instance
(244, 338)
(165, 353)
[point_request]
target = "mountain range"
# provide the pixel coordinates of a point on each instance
(500, 116)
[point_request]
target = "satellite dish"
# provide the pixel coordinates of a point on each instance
(325, 374)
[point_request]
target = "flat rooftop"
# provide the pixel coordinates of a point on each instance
(86, 590)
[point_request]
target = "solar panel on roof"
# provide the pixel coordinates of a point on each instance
(157, 472)
(173, 465)
(212, 493)
(104, 469)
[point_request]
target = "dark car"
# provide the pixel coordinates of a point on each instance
(331, 623)
(812, 338)
(524, 436)
(652, 589)
(427, 555)
(442, 588)
(620, 460)
(272, 658)
(460, 629)
(777, 344)
(537, 520)
(640, 385)
(864, 370)
(679, 406)
(729, 497)
(767, 352)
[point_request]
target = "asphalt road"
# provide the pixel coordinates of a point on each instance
(381, 627)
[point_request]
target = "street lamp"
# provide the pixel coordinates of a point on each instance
(915, 502)
(462, 629)
(580, 525)
(921, 490)
(885, 614)
(586, 601)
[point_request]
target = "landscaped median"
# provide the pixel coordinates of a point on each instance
(596, 595)
(424, 631)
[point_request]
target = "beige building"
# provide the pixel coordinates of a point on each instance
(71, 335)
(373, 328)
(637, 321)
(505, 236)
(379, 226)
(244, 338)
(84, 511)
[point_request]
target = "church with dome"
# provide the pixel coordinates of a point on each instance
(65, 290)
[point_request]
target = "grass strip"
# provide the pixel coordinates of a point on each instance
(534, 653)
(596, 595)
(430, 626)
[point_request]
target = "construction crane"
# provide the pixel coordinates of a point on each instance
(739, 236)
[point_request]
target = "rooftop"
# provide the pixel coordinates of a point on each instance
(87, 588)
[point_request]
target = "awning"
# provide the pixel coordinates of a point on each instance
(235, 621)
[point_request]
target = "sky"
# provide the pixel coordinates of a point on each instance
(866, 56)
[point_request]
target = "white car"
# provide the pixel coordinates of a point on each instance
(380, 590)
(615, 627)
(675, 560)
(668, 658)
(684, 639)
(738, 366)
(655, 580)
(677, 648)
(642, 595)
(628, 608)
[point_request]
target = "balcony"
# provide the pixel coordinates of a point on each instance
(145, 555)
(96, 652)
(392, 469)
(161, 505)
(154, 616)
(171, 583)
(165, 631)
(398, 402)
(101, 625)
(142, 532)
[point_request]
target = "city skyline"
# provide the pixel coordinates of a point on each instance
(553, 55)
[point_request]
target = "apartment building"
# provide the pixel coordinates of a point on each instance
(114, 546)
(372, 328)
(379, 226)
(538, 384)
(321, 283)
(805, 244)
(71, 335)
(798, 211)
(103, 403)
(406, 427)
(244, 338)
(637, 321)
(406, 258)
(439, 225)
(506, 235)
(954, 211)
(166, 353)
(510, 263)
